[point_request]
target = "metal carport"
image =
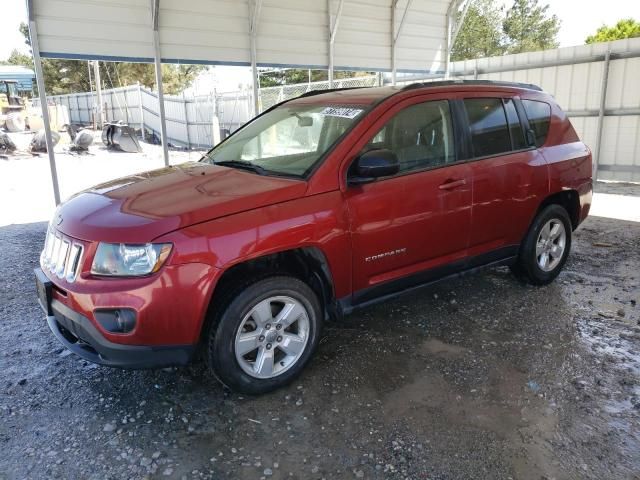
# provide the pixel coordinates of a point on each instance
(374, 35)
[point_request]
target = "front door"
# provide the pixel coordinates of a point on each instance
(419, 218)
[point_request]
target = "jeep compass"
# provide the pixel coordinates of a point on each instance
(321, 205)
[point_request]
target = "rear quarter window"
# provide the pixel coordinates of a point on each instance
(488, 126)
(539, 115)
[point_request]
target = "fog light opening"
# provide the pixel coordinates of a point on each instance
(117, 320)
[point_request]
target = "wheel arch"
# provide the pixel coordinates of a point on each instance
(569, 200)
(308, 264)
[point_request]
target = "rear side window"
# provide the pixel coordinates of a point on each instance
(539, 115)
(515, 127)
(488, 126)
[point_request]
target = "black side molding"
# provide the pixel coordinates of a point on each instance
(394, 288)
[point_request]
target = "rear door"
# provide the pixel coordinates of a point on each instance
(419, 218)
(509, 176)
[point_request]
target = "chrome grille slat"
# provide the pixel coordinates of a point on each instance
(73, 264)
(57, 243)
(62, 256)
(61, 263)
(48, 248)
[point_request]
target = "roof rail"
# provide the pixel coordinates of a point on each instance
(311, 93)
(443, 83)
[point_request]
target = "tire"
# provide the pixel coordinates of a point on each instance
(249, 350)
(530, 265)
(15, 122)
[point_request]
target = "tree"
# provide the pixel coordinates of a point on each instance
(528, 27)
(625, 28)
(18, 58)
(69, 76)
(291, 76)
(481, 33)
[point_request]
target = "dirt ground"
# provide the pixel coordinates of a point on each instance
(481, 377)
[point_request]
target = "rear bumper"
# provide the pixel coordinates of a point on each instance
(585, 193)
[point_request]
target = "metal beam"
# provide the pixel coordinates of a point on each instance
(393, 41)
(608, 112)
(601, 112)
(620, 168)
(404, 16)
(334, 21)
(99, 102)
(550, 63)
(459, 22)
(35, 48)
(155, 13)
(453, 28)
(395, 34)
(254, 16)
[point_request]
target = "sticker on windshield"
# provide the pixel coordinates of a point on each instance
(345, 112)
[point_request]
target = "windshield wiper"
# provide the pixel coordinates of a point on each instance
(244, 165)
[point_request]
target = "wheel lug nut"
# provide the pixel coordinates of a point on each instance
(261, 338)
(268, 346)
(278, 327)
(267, 326)
(279, 339)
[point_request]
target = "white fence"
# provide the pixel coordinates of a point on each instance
(190, 120)
(597, 85)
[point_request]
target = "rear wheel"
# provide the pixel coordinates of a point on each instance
(546, 247)
(266, 335)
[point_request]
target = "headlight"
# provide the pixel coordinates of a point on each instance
(126, 260)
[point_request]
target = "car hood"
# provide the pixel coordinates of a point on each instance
(139, 208)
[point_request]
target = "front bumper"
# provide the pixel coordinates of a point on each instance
(80, 336)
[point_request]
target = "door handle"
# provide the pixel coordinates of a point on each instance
(451, 184)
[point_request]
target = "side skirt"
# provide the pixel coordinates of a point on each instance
(380, 293)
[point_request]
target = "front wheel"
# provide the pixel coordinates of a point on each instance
(546, 247)
(266, 335)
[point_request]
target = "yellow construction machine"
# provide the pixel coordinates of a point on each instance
(12, 107)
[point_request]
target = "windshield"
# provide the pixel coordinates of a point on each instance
(288, 140)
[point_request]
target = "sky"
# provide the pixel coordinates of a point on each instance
(580, 18)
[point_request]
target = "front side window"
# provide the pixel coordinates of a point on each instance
(421, 136)
(288, 140)
(539, 115)
(488, 126)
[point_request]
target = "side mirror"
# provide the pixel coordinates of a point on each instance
(531, 138)
(374, 164)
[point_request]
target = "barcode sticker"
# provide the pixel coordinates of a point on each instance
(346, 112)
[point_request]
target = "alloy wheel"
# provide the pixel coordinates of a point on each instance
(272, 336)
(551, 244)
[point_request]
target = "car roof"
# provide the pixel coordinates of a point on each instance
(369, 95)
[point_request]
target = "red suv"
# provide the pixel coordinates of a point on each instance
(319, 206)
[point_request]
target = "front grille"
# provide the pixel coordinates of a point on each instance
(61, 256)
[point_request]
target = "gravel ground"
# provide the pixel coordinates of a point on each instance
(480, 377)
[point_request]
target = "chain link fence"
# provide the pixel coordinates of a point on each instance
(191, 121)
(272, 95)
